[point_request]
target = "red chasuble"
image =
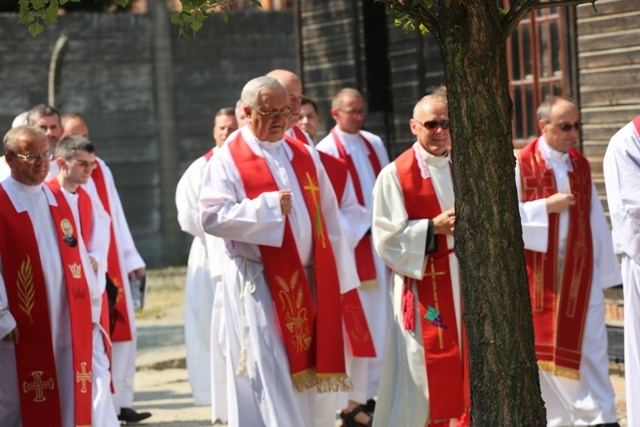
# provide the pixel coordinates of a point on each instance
(355, 321)
(559, 301)
(364, 253)
(28, 303)
(312, 335)
(122, 329)
(447, 366)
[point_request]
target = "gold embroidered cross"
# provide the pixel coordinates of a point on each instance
(433, 274)
(38, 386)
(83, 376)
(313, 191)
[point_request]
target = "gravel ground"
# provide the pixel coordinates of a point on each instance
(162, 387)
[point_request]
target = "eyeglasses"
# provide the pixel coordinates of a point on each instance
(434, 124)
(34, 157)
(285, 112)
(84, 164)
(566, 127)
(353, 112)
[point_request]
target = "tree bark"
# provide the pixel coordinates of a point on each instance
(505, 387)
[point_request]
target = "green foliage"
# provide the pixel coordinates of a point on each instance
(194, 13)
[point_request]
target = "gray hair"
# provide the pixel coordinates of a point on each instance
(346, 92)
(41, 110)
(251, 91)
(68, 146)
(19, 133)
(544, 110)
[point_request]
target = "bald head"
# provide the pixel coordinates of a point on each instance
(294, 87)
(73, 124)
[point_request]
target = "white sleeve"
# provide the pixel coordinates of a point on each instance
(354, 217)
(400, 242)
(535, 221)
(622, 180)
(187, 198)
(7, 322)
(226, 212)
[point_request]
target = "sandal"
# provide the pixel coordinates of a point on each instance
(349, 418)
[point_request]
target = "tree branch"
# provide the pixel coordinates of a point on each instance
(421, 13)
(521, 8)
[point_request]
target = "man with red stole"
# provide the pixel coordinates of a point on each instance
(355, 223)
(425, 366)
(76, 159)
(49, 299)
(269, 198)
(124, 264)
(570, 259)
(365, 155)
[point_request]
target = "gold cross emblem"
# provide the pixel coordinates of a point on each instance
(83, 376)
(313, 190)
(38, 386)
(434, 284)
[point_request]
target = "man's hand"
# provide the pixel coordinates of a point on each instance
(12, 336)
(560, 202)
(445, 222)
(285, 201)
(94, 263)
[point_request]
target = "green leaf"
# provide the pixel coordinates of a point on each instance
(36, 29)
(423, 30)
(50, 14)
(122, 3)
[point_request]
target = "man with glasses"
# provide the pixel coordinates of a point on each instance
(49, 299)
(425, 369)
(570, 260)
(269, 198)
(365, 155)
(76, 160)
(124, 264)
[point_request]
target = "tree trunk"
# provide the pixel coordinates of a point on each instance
(505, 389)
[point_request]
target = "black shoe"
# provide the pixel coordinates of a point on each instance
(370, 406)
(128, 415)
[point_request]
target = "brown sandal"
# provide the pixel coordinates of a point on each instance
(349, 418)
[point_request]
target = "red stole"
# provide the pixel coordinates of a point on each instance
(307, 331)
(559, 309)
(35, 361)
(207, 156)
(85, 211)
(355, 321)
(364, 252)
(122, 329)
(447, 365)
(636, 123)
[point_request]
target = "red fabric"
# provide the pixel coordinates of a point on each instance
(559, 309)
(445, 359)
(307, 330)
(79, 301)
(122, 329)
(364, 253)
(207, 156)
(28, 304)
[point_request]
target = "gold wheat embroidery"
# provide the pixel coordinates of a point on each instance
(26, 292)
(295, 314)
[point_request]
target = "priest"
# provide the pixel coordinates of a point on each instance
(425, 371)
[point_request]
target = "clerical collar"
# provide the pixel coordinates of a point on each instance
(553, 157)
(426, 159)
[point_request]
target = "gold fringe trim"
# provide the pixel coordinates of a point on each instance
(304, 380)
(332, 383)
(324, 383)
(559, 371)
(369, 285)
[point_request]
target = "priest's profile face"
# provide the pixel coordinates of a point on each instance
(268, 119)
(31, 171)
(562, 130)
(78, 170)
(430, 125)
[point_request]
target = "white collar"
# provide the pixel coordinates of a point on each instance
(554, 158)
(426, 159)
